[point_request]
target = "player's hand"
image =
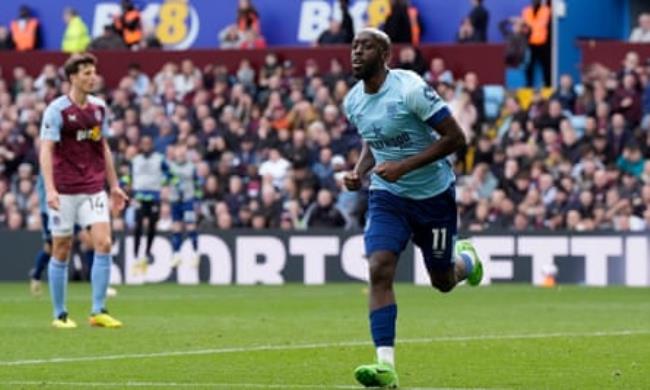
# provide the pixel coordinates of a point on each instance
(53, 200)
(390, 170)
(118, 198)
(352, 181)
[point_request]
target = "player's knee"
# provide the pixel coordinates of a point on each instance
(103, 245)
(381, 272)
(444, 286)
(443, 281)
(61, 249)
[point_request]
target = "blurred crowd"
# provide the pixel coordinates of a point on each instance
(271, 145)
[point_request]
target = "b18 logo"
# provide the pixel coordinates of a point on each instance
(315, 15)
(175, 22)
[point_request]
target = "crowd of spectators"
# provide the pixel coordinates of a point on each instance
(271, 145)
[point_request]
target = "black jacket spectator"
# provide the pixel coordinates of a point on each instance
(398, 24)
(479, 17)
(516, 41)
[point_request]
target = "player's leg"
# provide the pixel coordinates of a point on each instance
(86, 249)
(61, 225)
(153, 217)
(448, 261)
(137, 233)
(190, 220)
(141, 263)
(387, 233)
(94, 213)
(42, 258)
(177, 232)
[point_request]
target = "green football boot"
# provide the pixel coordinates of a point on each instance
(475, 277)
(377, 375)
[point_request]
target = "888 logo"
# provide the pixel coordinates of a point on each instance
(175, 22)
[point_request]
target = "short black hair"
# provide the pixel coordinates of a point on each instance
(75, 61)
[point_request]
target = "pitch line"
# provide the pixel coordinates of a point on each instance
(261, 348)
(209, 385)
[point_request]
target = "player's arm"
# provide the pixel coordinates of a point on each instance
(50, 134)
(45, 160)
(118, 195)
(198, 185)
(366, 161)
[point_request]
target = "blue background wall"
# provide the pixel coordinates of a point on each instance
(281, 19)
(610, 19)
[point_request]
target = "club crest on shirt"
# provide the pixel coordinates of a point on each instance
(56, 220)
(72, 118)
(98, 115)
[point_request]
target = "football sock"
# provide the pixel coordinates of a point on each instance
(100, 276)
(89, 258)
(382, 327)
(467, 260)
(194, 236)
(41, 262)
(177, 239)
(57, 275)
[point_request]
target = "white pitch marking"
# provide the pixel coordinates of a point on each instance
(218, 351)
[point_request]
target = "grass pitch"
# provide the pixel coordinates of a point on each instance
(297, 337)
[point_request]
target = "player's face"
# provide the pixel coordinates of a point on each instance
(85, 78)
(368, 56)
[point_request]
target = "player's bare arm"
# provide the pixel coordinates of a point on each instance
(451, 140)
(45, 160)
(352, 179)
(118, 196)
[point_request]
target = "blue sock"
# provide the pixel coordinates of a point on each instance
(194, 236)
(41, 262)
(100, 276)
(469, 266)
(57, 276)
(89, 258)
(177, 240)
(382, 325)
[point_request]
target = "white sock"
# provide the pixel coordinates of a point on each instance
(386, 355)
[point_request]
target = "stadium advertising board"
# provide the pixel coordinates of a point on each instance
(183, 24)
(316, 258)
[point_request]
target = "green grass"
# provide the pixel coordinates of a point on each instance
(571, 338)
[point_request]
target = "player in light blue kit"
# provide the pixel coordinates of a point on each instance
(185, 192)
(408, 132)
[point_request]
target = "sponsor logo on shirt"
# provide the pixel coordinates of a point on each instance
(94, 134)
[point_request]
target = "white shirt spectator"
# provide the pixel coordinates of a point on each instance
(276, 167)
(641, 34)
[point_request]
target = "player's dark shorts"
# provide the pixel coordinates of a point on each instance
(183, 212)
(431, 224)
(45, 228)
(148, 209)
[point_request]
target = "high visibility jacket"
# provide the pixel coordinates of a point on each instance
(24, 34)
(131, 36)
(538, 24)
(75, 37)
